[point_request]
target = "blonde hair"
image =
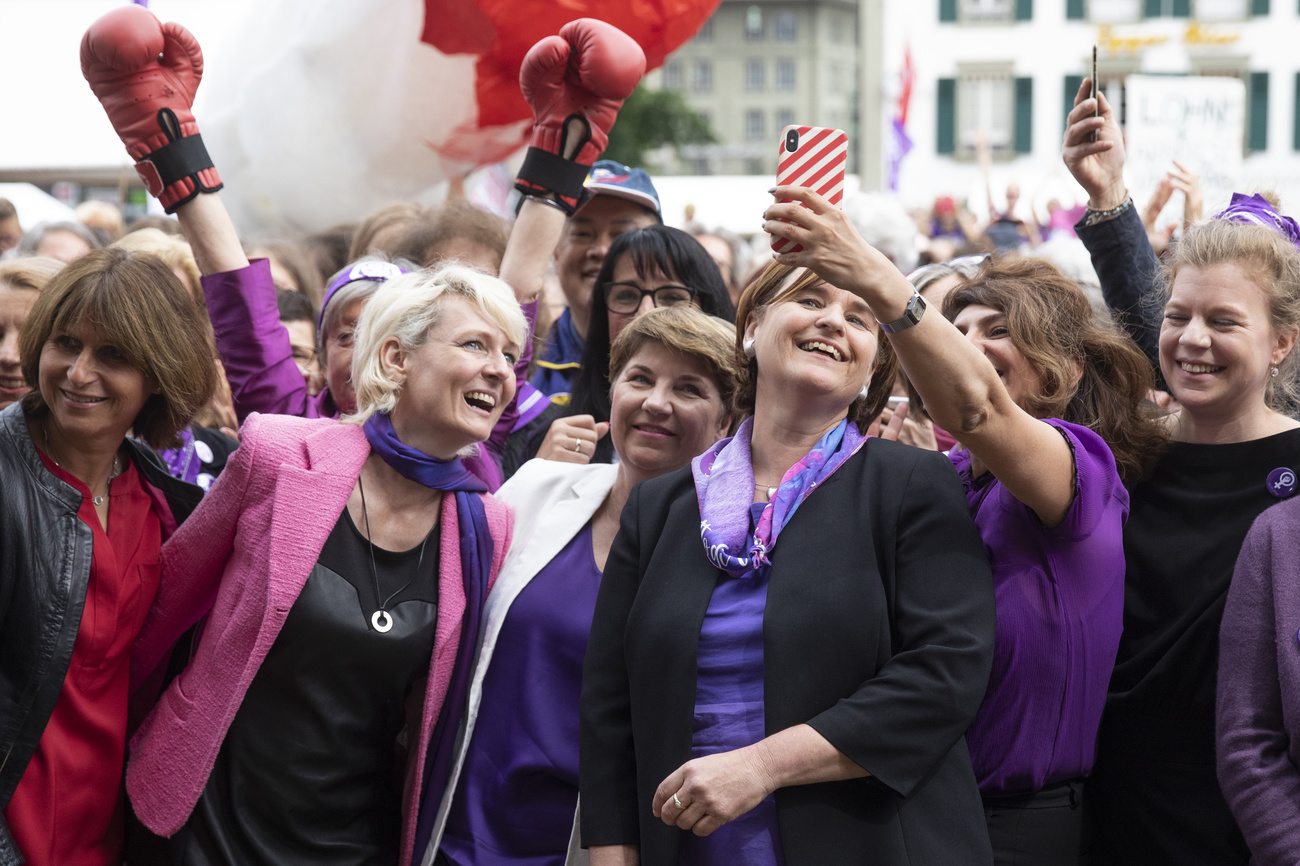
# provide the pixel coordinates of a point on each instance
(28, 272)
(1272, 262)
(407, 308)
(174, 251)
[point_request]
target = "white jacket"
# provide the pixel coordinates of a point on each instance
(552, 501)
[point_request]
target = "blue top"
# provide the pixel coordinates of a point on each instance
(559, 364)
(729, 712)
(519, 787)
(1060, 602)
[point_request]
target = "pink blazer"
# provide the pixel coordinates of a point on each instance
(242, 559)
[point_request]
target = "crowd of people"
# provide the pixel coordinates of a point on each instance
(1036, 602)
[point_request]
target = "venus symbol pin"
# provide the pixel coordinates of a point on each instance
(1281, 482)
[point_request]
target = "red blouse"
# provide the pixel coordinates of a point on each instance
(69, 806)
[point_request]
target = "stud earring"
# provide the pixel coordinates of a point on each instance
(748, 347)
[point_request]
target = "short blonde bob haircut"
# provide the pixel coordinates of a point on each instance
(408, 308)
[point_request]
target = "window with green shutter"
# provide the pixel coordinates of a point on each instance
(1023, 134)
(1024, 10)
(1074, 10)
(1072, 85)
(947, 121)
(1257, 94)
(1258, 7)
(947, 10)
(1182, 8)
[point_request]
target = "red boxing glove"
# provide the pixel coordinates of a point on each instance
(149, 100)
(575, 83)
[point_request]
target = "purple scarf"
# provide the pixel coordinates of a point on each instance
(475, 569)
(724, 485)
(1255, 210)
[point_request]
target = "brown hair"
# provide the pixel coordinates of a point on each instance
(455, 219)
(769, 288)
(686, 330)
(293, 258)
(1272, 262)
(400, 214)
(29, 272)
(1052, 324)
(138, 305)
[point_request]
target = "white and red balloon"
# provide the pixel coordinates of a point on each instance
(325, 110)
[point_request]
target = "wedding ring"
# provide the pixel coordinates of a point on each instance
(577, 445)
(678, 803)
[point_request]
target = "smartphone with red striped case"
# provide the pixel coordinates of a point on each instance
(812, 157)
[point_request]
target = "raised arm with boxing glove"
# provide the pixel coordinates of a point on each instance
(575, 84)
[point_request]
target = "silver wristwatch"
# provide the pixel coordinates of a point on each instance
(915, 310)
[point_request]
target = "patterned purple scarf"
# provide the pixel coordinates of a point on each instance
(724, 485)
(1255, 210)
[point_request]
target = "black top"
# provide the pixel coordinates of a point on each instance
(878, 632)
(1185, 528)
(308, 772)
(1153, 794)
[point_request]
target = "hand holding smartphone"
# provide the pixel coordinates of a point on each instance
(812, 157)
(1096, 105)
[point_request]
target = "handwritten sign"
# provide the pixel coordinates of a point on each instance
(1199, 121)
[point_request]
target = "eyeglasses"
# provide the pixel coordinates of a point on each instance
(627, 297)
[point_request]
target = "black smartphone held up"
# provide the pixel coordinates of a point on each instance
(1096, 104)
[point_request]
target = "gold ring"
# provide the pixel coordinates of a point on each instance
(577, 445)
(678, 804)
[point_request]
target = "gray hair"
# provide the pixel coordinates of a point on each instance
(33, 237)
(884, 224)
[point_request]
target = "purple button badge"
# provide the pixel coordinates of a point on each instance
(1281, 482)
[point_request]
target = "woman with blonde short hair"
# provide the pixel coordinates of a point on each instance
(342, 566)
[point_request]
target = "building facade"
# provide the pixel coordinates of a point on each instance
(758, 66)
(1008, 70)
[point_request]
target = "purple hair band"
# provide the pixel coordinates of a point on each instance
(375, 271)
(1255, 210)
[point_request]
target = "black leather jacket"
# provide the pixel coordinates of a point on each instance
(44, 569)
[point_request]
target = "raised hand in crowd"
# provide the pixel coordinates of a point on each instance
(1097, 165)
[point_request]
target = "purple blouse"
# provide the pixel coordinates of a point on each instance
(519, 787)
(729, 712)
(1060, 603)
(254, 349)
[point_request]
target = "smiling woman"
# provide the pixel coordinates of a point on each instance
(515, 786)
(378, 548)
(802, 702)
(21, 281)
(112, 344)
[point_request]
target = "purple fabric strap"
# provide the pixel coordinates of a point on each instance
(475, 568)
(1255, 210)
(724, 485)
(182, 462)
(374, 271)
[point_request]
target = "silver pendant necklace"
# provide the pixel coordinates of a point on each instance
(381, 619)
(113, 471)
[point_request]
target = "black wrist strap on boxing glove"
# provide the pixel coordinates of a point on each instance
(544, 171)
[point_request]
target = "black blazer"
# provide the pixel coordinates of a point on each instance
(878, 632)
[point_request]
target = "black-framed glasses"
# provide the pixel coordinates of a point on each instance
(627, 297)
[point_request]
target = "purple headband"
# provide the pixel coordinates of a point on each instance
(1255, 210)
(375, 271)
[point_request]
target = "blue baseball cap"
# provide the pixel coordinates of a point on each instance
(608, 177)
